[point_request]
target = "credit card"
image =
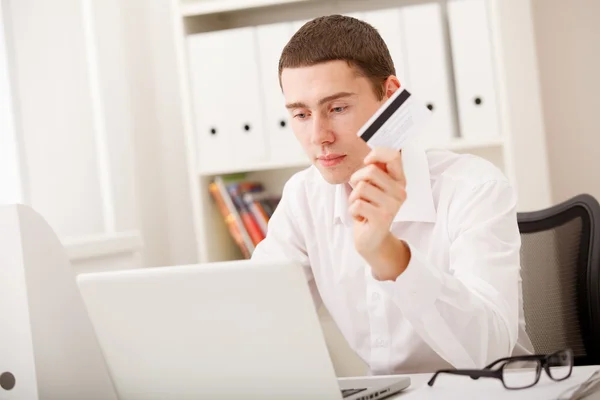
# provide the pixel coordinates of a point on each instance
(398, 120)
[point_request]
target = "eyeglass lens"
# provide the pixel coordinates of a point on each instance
(560, 364)
(527, 376)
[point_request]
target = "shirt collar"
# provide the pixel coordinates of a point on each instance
(419, 205)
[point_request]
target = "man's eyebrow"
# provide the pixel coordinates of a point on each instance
(335, 96)
(297, 104)
(324, 100)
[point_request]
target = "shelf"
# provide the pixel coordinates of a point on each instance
(255, 167)
(102, 245)
(470, 144)
(205, 7)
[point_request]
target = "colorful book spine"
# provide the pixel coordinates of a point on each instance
(252, 227)
(231, 214)
(246, 208)
(258, 212)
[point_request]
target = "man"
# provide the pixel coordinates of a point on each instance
(415, 254)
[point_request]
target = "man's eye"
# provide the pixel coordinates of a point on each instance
(338, 109)
(300, 115)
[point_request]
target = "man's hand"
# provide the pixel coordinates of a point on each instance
(379, 190)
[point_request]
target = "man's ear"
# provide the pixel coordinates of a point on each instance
(390, 85)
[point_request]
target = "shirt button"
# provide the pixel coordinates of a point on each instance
(380, 343)
(375, 296)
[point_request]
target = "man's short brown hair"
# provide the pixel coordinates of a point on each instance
(338, 37)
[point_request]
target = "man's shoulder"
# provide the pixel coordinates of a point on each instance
(469, 190)
(467, 170)
(301, 186)
(302, 180)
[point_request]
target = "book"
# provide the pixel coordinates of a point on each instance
(251, 225)
(231, 216)
(245, 207)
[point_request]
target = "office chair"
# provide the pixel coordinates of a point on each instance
(560, 259)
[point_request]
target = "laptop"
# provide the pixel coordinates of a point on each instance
(232, 329)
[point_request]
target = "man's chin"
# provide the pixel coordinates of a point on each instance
(333, 176)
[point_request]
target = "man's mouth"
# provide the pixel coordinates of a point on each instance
(331, 160)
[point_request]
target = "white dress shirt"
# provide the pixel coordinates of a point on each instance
(458, 303)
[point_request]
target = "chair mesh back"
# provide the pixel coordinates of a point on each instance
(550, 270)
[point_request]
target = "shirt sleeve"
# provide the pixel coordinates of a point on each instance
(284, 240)
(469, 313)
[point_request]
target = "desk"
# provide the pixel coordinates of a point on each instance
(462, 387)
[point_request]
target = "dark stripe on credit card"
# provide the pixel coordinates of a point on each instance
(385, 115)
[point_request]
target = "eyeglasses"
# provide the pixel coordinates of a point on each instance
(558, 366)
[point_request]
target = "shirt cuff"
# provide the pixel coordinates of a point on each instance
(418, 287)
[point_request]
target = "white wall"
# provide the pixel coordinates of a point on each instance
(11, 190)
(58, 127)
(568, 47)
(165, 198)
(95, 98)
(71, 104)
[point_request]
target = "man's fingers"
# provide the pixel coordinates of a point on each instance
(383, 181)
(373, 174)
(395, 169)
(367, 191)
(363, 210)
(381, 154)
(390, 160)
(385, 202)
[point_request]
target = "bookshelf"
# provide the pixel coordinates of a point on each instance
(518, 147)
(219, 243)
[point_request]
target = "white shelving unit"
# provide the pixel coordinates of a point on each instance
(207, 7)
(517, 146)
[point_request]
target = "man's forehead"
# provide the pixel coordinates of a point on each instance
(304, 85)
(327, 70)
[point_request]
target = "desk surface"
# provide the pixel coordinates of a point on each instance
(462, 387)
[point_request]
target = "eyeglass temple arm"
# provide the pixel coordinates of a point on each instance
(473, 373)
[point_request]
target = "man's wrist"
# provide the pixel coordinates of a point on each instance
(390, 259)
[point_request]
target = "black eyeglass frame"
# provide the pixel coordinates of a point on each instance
(543, 362)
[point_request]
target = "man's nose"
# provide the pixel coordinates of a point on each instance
(321, 132)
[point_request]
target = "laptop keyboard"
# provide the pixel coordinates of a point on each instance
(350, 392)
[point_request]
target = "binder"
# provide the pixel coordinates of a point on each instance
(473, 68)
(211, 133)
(281, 143)
(388, 23)
(226, 99)
(427, 65)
